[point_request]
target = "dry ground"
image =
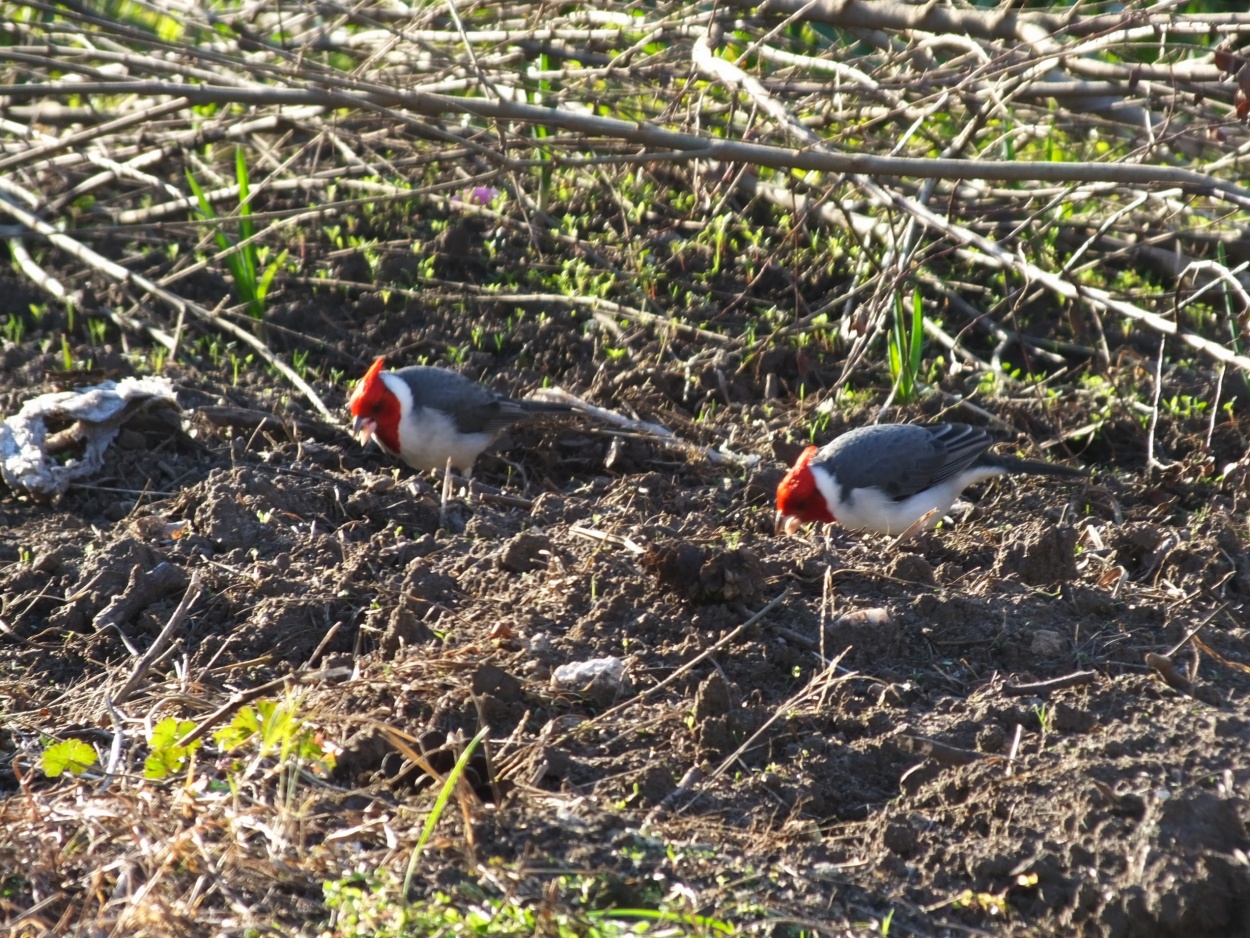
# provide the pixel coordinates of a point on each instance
(1031, 722)
(911, 773)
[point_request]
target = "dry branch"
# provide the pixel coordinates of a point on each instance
(1075, 679)
(694, 146)
(988, 24)
(144, 664)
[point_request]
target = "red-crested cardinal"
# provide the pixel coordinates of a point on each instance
(886, 478)
(430, 417)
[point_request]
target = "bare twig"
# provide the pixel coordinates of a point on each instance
(162, 640)
(1015, 748)
(939, 752)
(693, 146)
(1035, 688)
(660, 434)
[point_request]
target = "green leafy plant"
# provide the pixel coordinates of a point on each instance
(166, 757)
(70, 755)
(906, 340)
(274, 728)
(1045, 717)
(886, 922)
(372, 904)
(14, 328)
(243, 258)
(987, 902)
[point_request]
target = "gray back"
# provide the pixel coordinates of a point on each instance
(474, 408)
(903, 459)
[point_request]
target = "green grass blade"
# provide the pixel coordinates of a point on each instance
(246, 228)
(207, 211)
(249, 261)
(444, 795)
(262, 285)
(894, 346)
(917, 333)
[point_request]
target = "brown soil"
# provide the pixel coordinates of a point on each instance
(916, 776)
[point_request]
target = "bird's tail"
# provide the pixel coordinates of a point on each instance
(1035, 467)
(553, 400)
(531, 406)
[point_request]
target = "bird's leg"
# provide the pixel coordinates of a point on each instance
(442, 505)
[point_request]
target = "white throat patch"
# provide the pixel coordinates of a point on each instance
(429, 437)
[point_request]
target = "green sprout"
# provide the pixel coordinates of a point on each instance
(243, 259)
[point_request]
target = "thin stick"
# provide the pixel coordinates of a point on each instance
(915, 526)
(1075, 679)
(374, 97)
(158, 646)
(1215, 408)
(1151, 463)
(939, 752)
(115, 750)
(654, 431)
(1192, 632)
(26, 264)
(655, 689)
(321, 645)
(1015, 747)
(442, 504)
(596, 535)
(819, 684)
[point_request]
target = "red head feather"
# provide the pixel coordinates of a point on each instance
(797, 495)
(373, 401)
(367, 388)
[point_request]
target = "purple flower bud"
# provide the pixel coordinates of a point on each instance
(480, 195)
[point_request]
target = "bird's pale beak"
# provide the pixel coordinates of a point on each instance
(362, 429)
(786, 524)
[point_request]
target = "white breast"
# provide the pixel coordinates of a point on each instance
(428, 437)
(870, 509)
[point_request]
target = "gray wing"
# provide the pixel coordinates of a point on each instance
(903, 459)
(474, 408)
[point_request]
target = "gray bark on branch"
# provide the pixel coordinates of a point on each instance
(986, 24)
(645, 134)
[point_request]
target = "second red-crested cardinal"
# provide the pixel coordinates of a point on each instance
(430, 417)
(886, 478)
